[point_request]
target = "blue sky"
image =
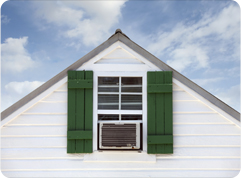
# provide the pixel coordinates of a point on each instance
(200, 39)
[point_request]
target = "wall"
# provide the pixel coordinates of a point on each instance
(205, 144)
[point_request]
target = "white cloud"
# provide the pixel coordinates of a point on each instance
(17, 90)
(189, 44)
(185, 56)
(15, 58)
(22, 88)
(208, 81)
(86, 20)
(4, 19)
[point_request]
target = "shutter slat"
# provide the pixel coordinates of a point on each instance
(71, 113)
(159, 106)
(74, 84)
(168, 112)
(160, 111)
(79, 134)
(159, 88)
(160, 139)
(88, 111)
(80, 117)
(151, 115)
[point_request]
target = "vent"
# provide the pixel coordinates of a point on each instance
(119, 136)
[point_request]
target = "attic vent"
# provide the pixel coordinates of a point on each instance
(119, 136)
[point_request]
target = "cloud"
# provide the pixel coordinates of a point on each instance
(89, 21)
(22, 88)
(17, 90)
(15, 58)
(231, 97)
(189, 44)
(4, 19)
(208, 81)
(185, 56)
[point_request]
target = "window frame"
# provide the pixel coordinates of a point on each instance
(144, 104)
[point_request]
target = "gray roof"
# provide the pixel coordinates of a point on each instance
(119, 36)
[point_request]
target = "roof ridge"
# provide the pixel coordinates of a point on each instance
(118, 31)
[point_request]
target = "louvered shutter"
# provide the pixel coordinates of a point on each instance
(80, 111)
(159, 112)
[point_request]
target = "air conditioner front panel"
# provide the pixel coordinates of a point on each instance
(119, 136)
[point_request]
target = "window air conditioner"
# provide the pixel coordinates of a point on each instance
(119, 136)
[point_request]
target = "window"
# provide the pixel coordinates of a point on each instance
(134, 109)
(120, 112)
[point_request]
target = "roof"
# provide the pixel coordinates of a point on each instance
(119, 36)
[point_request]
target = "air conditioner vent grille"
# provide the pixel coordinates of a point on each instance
(118, 135)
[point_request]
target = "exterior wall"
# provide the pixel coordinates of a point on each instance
(206, 142)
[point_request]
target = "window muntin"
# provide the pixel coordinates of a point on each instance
(119, 93)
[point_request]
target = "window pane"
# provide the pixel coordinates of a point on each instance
(108, 84)
(108, 101)
(131, 89)
(131, 84)
(131, 102)
(103, 117)
(131, 80)
(131, 117)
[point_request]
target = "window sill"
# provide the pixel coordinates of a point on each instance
(120, 156)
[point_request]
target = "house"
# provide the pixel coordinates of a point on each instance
(120, 112)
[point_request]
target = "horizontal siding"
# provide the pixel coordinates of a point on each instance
(61, 119)
(45, 142)
(159, 165)
(62, 130)
(50, 108)
(134, 173)
(61, 153)
(119, 61)
(207, 140)
(63, 87)
(61, 96)
(57, 96)
(195, 118)
(61, 107)
(35, 119)
(38, 153)
(34, 144)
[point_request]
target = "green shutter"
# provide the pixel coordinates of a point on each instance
(80, 111)
(159, 112)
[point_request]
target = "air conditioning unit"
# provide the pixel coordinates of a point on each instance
(119, 135)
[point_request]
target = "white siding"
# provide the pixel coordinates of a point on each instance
(206, 144)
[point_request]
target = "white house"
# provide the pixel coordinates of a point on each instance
(120, 112)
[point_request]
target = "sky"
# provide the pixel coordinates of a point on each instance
(200, 39)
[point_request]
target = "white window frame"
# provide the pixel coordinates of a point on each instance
(144, 104)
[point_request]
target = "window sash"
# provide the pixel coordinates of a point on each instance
(143, 112)
(120, 104)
